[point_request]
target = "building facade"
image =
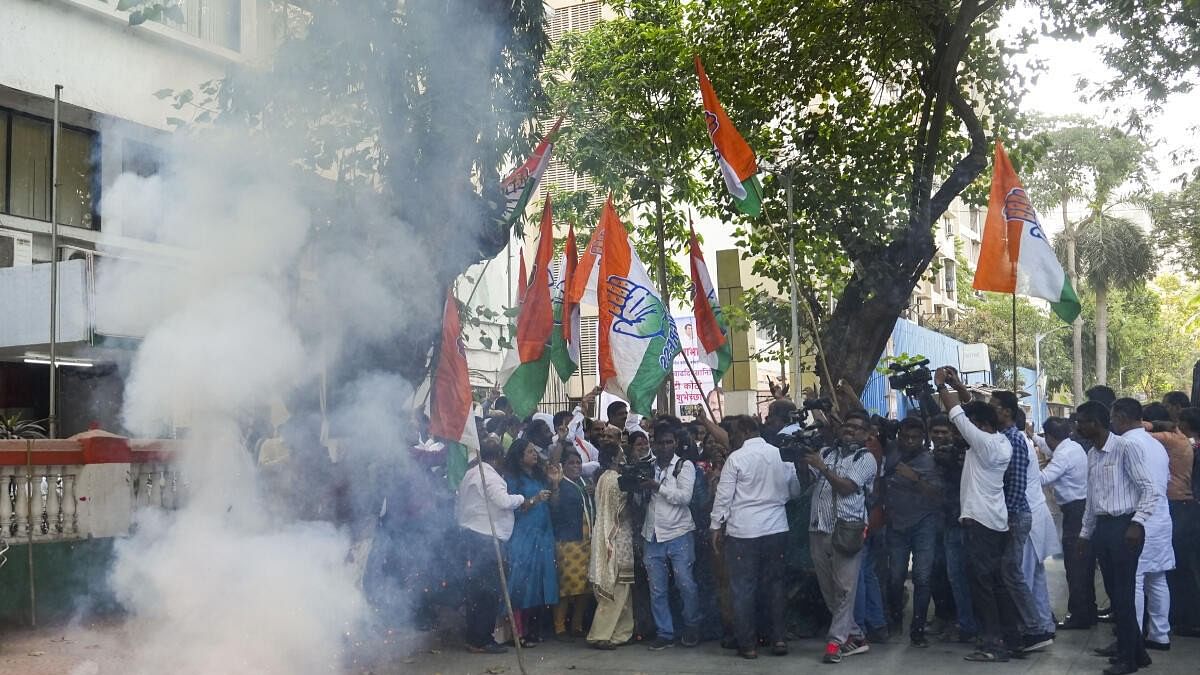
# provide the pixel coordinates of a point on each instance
(111, 123)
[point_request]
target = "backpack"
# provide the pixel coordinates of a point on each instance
(699, 506)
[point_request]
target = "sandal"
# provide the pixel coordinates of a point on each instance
(986, 657)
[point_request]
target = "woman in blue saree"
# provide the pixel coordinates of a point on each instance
(532, 576)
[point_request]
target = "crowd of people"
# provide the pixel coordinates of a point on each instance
(664, 533)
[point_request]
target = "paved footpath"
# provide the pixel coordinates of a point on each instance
(103, 648)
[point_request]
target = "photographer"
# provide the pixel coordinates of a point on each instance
(669, 540)
(843, 475)
(984, 516)
(750, 523)
(780, 415)
(912, 491)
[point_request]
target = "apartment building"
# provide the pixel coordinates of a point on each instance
(111, 123)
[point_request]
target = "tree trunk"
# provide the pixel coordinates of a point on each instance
(859, 330)
(1077, 325)
(1101, 334)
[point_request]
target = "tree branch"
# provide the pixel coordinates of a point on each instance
(967, 168)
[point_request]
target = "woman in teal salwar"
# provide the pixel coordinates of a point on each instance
(532, 576)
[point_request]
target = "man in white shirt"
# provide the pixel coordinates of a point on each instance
(1151, 594)
(984, 515)
(477, 496)
(1066, 474)
(749, 522)
(1121, 499)
(669, 540)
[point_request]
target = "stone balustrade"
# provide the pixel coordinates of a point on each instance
(83, 487)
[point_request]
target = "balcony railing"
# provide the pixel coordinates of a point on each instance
(55, 490)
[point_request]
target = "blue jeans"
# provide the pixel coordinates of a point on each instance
(956, 569)
(680, 552)
(868, 602)
(919, 542)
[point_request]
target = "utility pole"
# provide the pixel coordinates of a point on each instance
(52, 418)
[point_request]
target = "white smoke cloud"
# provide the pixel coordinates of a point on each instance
(264, 305)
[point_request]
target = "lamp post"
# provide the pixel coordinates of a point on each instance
(1037, 368)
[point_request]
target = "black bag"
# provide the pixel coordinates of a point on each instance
(849, 536)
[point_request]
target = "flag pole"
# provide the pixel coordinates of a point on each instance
(824, 365)
(1016, 374)
(688, 363)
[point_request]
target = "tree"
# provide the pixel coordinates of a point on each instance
(627, 90)
(1114, 253)
(1158, 45)
(878, 144)
(1176, 217)
(1090, 163)
(415, 111)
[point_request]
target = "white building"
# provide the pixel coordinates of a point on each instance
(111, 121)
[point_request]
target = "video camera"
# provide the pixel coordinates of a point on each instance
(916, 381)
(633, 475)
(806, 438)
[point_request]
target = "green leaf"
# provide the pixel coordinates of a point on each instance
(176, 122)
(126, 5)
(163, 93)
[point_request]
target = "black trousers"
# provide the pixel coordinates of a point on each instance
(756, 576)
(1118, 563)
(481, 597)
(1080, 568)
(1184, 580)
(994, 609)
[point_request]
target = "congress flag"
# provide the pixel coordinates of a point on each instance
(450, 415)
(1016, 256)
(711, 327)
(527, 367)
(520, 185)
(738, 165)
(637, 335)
(565, 344)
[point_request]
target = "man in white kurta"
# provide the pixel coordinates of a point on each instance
(1158, 554)
(1042, 543)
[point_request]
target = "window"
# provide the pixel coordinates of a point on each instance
(29, 167)
(3, 161)
(25, 166)
(75, 177)
(215, 21)
(140, 159)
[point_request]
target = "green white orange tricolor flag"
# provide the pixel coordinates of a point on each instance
(711, 327)
(1016, 257)
(527, 367)
(450, 415)
(637, 335)
(565, 344)
(739, 167)
(520, 185)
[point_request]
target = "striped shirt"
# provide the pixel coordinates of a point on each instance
(1119, 483)
(860, 467)
(1016, 476)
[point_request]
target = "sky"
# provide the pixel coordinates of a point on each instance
(1055, 93)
